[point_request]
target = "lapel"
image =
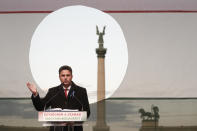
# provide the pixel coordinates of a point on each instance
(62, 92)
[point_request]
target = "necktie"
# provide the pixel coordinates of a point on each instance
(66, 89)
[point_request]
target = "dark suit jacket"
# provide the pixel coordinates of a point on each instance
(55, 98)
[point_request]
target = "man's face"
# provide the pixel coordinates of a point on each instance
(65, 77)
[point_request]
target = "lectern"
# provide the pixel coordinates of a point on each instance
(61, 118)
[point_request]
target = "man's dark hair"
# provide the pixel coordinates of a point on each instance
(65, 67)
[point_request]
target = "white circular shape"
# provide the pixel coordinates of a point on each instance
(68, 37)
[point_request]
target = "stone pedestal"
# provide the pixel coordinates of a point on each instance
(100, 122)
(97, 128)
(150, 123)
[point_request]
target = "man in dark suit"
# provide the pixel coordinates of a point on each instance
(66, 96)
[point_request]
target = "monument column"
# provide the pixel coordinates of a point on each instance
(101, 73)
(101, 51)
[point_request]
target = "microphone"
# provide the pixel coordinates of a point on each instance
(73, 95)
(51, 99)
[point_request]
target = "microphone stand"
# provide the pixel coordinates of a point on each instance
(73, 94)
(51, 99)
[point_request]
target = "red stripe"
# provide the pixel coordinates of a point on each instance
(18, 12)
(111, 11)
(151, 11)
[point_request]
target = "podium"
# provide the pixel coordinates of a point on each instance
(61, 118)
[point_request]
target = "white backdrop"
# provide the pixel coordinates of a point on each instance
(162, 54)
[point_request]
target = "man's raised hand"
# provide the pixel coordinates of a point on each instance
(32, 88)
